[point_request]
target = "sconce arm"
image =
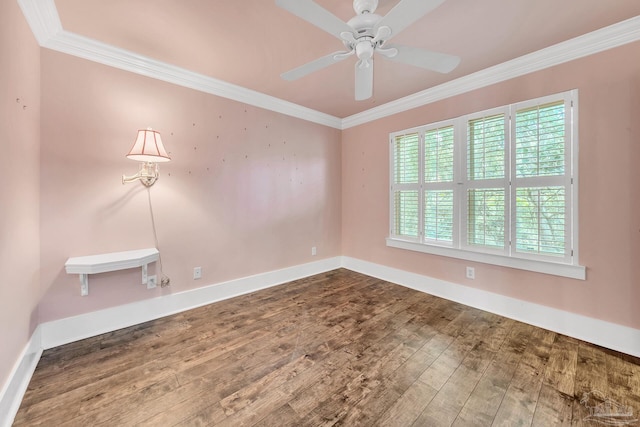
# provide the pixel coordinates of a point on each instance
(148, 174)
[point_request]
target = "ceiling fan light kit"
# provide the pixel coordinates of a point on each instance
(366, 34)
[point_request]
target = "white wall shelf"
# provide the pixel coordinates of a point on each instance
(93, 264)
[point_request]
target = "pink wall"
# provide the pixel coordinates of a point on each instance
(248, 190)
(609, 131)
(19, 186)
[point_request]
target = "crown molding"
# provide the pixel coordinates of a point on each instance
(42, 17)
(44, 21)
(597, 41)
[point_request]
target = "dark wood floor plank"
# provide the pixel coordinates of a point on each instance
(554, 408)
(519, 403)
(338, 348)
(483, 403)
(556, 397)
(561, 367)
(409, 406)
(451, 398)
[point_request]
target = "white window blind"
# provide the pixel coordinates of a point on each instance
(485, 147)
(438, 184)
(485, 181)
(501, 182)
(541, 186)
(406, 201)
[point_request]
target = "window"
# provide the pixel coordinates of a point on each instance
(499, 186)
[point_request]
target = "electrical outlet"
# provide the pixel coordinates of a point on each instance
(152, 281)
(471, 273)
(313, 251)
(197, 273)
(165, 282)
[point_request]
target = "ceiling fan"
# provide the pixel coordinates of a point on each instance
(366, 34)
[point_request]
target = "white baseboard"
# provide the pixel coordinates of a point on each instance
(64, 331)
(610, 335)
(18, 381)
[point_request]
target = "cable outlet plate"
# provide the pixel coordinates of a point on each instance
(152, 281)
(197, 273)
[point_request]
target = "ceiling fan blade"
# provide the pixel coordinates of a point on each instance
(440, 62)
(315, 65)
(316, 15)
(405, 13)
(364, 79)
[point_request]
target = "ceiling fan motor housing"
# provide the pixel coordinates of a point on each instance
(363, 24)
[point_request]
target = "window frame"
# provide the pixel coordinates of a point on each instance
(566, 265)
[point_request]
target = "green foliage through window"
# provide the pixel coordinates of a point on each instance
(485, 148)
(540, 140)
(540, 220)
(438, 155)
(407, 158)
(438, 215)
(406, 213)
(485, 217)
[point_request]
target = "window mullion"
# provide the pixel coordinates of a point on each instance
(510, 156)
(459, 202)
(421, 201)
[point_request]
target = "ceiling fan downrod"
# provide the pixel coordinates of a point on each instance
(365, 6)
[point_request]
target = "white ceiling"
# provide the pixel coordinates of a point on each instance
(249, 43)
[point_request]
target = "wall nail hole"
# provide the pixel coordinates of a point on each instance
(18, 100)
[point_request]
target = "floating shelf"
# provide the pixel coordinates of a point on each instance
(93, 264)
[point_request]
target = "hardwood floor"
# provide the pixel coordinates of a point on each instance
(338, 348)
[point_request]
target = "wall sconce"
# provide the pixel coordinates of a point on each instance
(148, 150)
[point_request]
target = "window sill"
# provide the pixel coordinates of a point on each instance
(556, 269)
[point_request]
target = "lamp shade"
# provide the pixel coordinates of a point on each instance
(148, 148)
